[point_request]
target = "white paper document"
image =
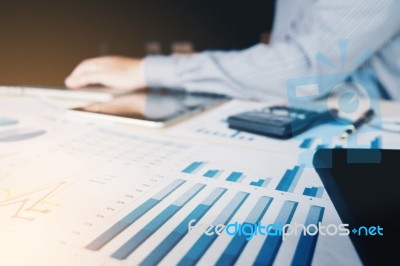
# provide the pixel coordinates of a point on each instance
(107, 195)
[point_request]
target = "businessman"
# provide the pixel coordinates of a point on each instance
(301, 30)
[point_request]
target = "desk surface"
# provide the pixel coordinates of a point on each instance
(75, 191)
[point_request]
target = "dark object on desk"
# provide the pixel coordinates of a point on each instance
(280, 121)
(365, 194)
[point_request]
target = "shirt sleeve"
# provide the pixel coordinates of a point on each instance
(261, 71)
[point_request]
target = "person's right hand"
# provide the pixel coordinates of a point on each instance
(111, 71)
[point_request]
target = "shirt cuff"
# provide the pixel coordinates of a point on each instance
(160, 71)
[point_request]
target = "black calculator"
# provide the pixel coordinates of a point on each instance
(280, 121)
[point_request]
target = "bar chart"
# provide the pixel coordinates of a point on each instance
(181, 230)
(235, 177)
(288, 181)
(204, 242)
(258, 209)
(211, 173)
(127, 248)
(308, 143)
(121, 225)
(306, 246)
(238, 242)
(261, 182)
(231, 176)
(193, 167)
(271, 245)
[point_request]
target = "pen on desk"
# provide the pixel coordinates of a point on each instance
(365, 118)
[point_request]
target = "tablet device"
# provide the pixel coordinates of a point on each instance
(151, 107)
(365, 193)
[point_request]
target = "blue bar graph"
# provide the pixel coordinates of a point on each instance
(239, 242)
(296, 178)
(313, 191)
(169, 242)
(306, 246)
(234, 177)
(376, 143)
(306, 143)
(258, 183)
(205, 241)
(261, 182)
(271, 245)
(310, 191)
(129, 219)
(211, 173)
(192, 167)
(289, 179)
(134, 242)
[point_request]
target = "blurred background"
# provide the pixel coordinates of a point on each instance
(42, 41)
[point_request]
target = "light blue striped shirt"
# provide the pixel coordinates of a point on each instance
(302, 28)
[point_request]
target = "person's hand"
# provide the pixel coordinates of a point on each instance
(111, 71)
